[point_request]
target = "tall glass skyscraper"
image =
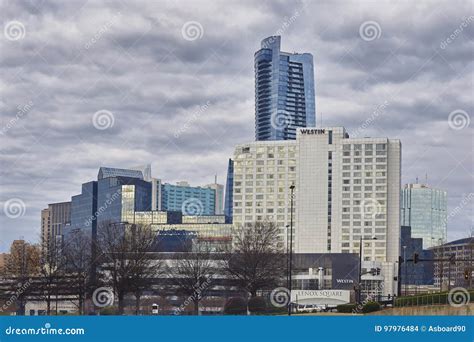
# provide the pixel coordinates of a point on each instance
(424, 209)
(284, 92)
(229, 192)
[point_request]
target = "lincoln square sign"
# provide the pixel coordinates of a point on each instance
(320, 297)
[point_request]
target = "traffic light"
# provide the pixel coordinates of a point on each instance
(375, 271)
(416, 258)
(466, 274)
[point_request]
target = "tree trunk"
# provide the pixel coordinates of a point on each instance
(121, 304)
(48, 305)
(137, 303)
(196, 307)
(21, 306)
(81, 304)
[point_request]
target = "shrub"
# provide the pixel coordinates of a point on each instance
(107, 311)
(257, 305)
(346, 308)
(235, 306)
(371, 307)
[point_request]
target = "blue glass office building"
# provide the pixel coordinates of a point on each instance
(424, 209)
(421, 273)
(119, 197)
(229, 192)
(193, 201)
(284, 92)
(83, 210)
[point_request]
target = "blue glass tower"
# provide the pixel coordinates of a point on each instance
(229, 192)
(284, 92)
(84, 209)
(424, 209)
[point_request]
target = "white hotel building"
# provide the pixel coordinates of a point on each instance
(346, 189)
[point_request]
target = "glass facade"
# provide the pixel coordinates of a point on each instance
(192, 200)
(421, 273)
(107, 172)
(229, 192)
(284, 92)
(119, 198)
(83, 210)
(424, 209)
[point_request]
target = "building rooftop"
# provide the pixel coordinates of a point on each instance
(464, 241)
(107, 172)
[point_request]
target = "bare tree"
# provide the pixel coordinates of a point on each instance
(192, 273)
(128, 257)
(144, 264)
(50, 274)
(257, 261)
(23, 264)
(78, 265)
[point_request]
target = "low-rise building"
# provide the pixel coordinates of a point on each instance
(455, 264)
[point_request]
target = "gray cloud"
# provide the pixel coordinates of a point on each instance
(131, 59)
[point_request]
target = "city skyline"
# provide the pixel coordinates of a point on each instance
(180, 93)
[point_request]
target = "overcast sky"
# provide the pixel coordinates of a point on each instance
(122, 83)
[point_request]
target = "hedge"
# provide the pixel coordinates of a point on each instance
(371, 307)
(235, 306)
(346, 308)
(257, 305)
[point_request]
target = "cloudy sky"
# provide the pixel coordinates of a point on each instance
(123, 83)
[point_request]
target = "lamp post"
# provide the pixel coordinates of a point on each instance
(292, 189)
(406, 268)
(287, 256)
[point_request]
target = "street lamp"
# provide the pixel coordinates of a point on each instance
(292, 189)
(406, 268)
(287, 256)
(359, 293)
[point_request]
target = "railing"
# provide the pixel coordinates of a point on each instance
(439, 298)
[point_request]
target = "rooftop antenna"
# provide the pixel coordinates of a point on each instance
(416, 182)
(321, 115)
(215, 179)
(426, 178)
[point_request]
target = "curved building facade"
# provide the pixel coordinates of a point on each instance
(284, 92)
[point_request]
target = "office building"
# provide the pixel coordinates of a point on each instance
(229, 192)
(53, 220)
(454, 266)
(211, 230)
(219, 197)
(421, 273)
(424, 209)
(4, 257)
(188, 199)
(346, 190)
(263, 173)
(284, 91)
(83, 211)
(118, 197)
(109, 172)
